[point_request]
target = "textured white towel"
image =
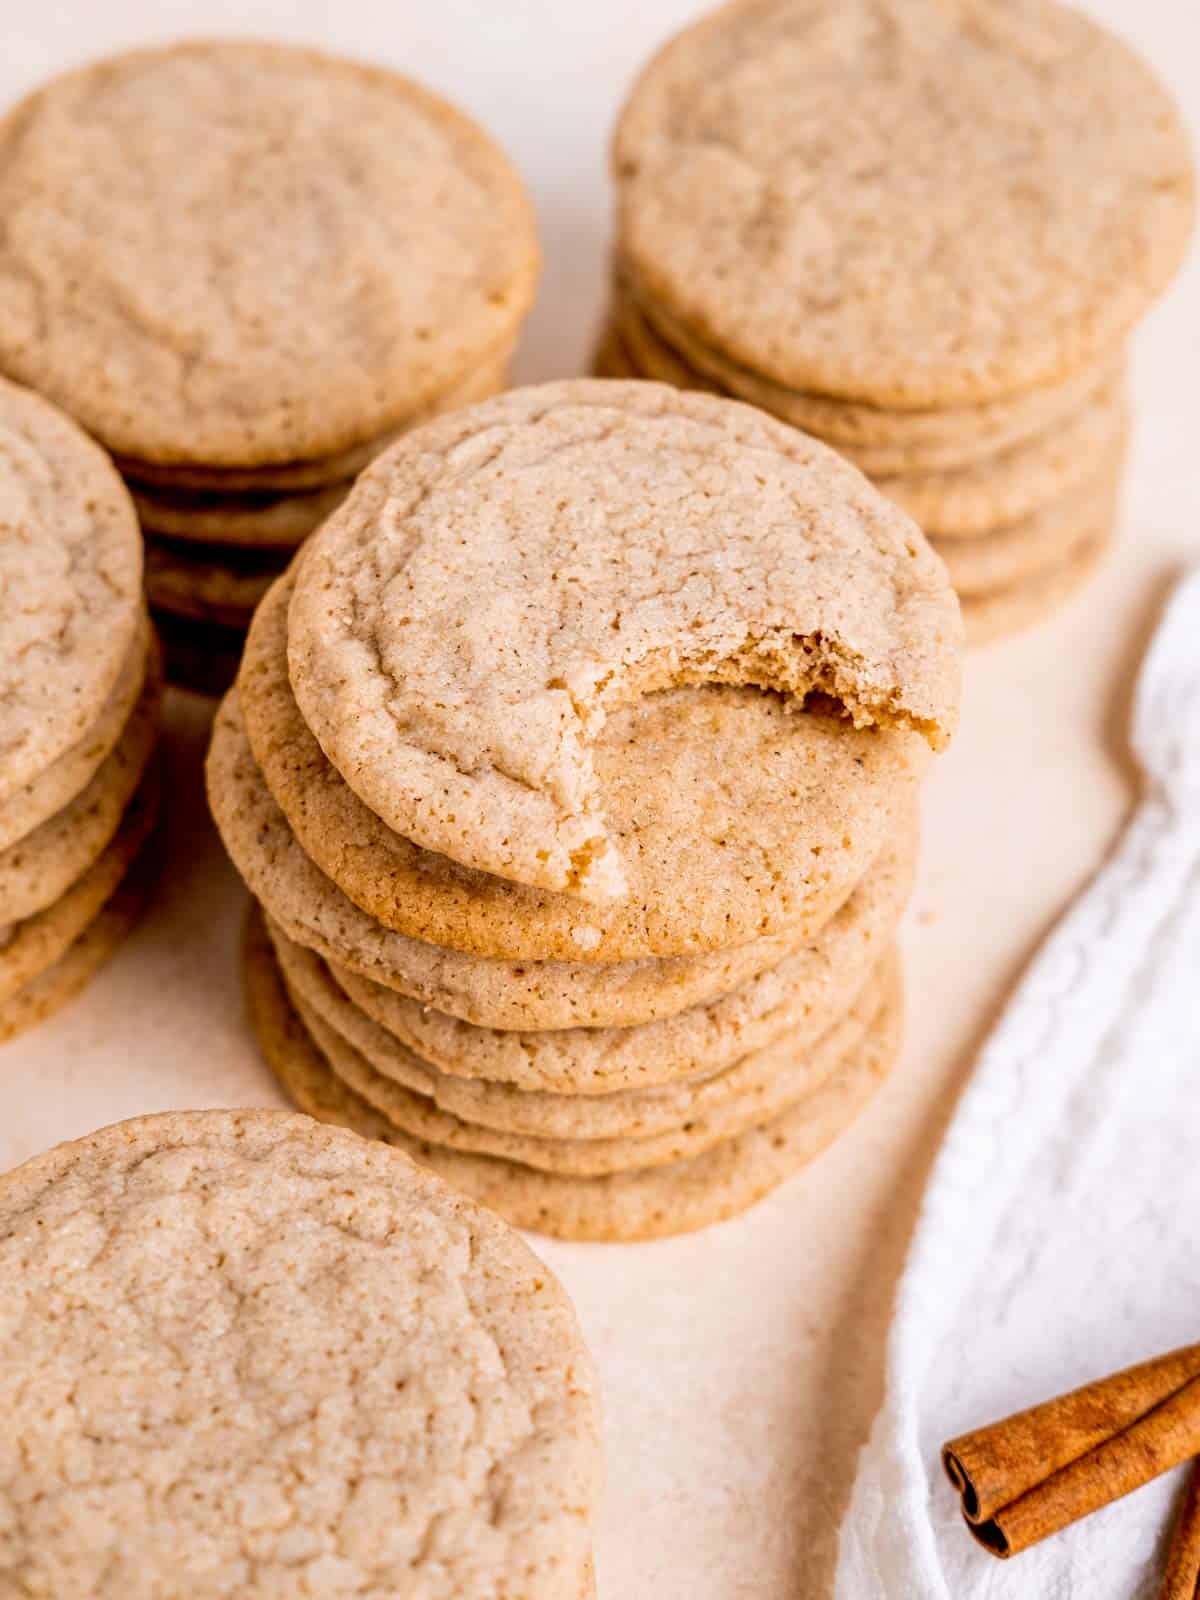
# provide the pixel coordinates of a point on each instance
(1059, 1238)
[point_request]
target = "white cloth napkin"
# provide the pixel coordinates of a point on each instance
(1059, 1238)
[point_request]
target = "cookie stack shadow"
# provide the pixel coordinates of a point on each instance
(926, 245)
(80, 784)
(625, 1068)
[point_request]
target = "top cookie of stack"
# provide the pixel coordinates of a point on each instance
(923, 232)
(574, 765)
(244, 267)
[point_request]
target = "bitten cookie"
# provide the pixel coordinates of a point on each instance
(504, 579)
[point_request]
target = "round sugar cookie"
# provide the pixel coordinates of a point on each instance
(975, 500)
(71, 578)
(878, 441)
(281, 1358)
(907, 203)
(301, 477)
(735, 815)
(36, 944)
(58, 784)
(679, 1198)
(57, 985)
(306, 252)
(758, 1088)
(541, 1115)
(40, 868)
(505, 579)
(800, 996)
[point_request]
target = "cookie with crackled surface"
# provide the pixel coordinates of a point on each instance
(58, 784)
(774, 813)
(504, 580)
(282, 1359)
(49, 990)
(42, 866)
(71, 581)
(37, 943)
(168, 303)
(910, 203)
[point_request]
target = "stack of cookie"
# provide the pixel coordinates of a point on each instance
(244, 1355)
(922, 233)
(80, 700)
(305, 256)
(573, 768)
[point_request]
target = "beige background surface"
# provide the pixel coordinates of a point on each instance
(740, 1367)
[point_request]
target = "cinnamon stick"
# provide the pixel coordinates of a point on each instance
(1181, 1581)
(993, 1466)
(1026, 1477)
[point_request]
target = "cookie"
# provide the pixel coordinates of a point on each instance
(301, 477)
(36, 944)
(306, 251)
(976, 500)
(282, 1359)
(759, 1087)
(40, 868)
(1023, 551)
(208, 583)
(58, 784)
(622, 1113)
(623, 539)
(495, 993)
(201, 656)
(878, 441)
(57, 985)
(825, 194)
(796, 808)
(71, 576)
(487, 992)
(262, 522)
(1006, 611)
(678, 1198)
(223, 483)
(799, 996)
